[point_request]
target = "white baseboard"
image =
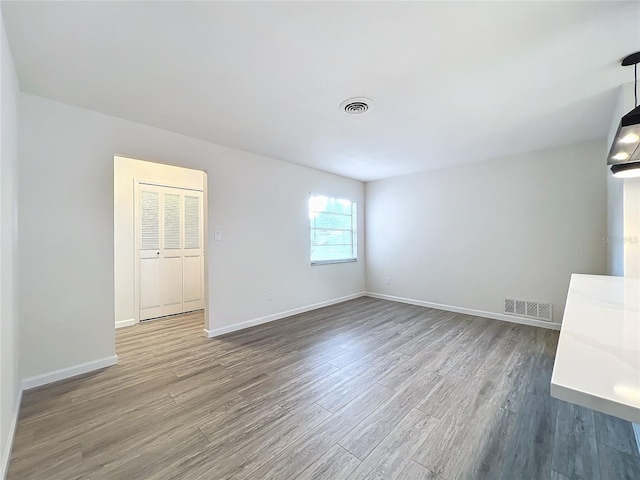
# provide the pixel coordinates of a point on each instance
(126, 323)
(216, 332)
(8, 446)
(468, 311)
(63, 373)
(636, 431)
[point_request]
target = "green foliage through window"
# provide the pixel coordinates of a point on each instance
(333, 229)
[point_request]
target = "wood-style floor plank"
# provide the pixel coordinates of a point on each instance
(336, 464)
(359, 390)
(366, 436)
(577, 455)
(612, 432)
(299, 456)
(415, 471)
(391, 456)
(615, 464)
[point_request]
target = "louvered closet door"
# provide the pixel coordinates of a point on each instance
(150, 270)
(171, 228)
(171, 241)
(193, 263)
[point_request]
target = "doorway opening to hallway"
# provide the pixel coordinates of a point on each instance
(160, 240)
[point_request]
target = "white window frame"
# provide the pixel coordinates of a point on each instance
(353, 230)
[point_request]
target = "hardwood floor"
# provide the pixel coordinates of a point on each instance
(361, 390)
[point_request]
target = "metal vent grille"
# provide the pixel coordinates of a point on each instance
(529, 309)
(544, 311)
(356, 106)
(509, 306)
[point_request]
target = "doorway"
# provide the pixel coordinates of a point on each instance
(169, 244)
(160, 240)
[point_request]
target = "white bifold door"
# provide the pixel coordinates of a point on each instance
(170, 241)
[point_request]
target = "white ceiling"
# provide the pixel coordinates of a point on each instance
(452, 82)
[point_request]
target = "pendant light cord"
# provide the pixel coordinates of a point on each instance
(635, 83)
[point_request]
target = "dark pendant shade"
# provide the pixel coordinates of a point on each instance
(626, 144)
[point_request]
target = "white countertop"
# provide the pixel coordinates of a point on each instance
(598, 358)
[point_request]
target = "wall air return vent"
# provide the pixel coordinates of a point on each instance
(528, 309)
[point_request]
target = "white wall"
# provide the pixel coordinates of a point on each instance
(470, 236)
(126, 171)
(631, 234)
(615, 225)
(9, 368)
(66, 223)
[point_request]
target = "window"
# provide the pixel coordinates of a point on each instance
(333, 230)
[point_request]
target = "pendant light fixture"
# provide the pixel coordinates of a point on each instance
(624, 155)
(626, 170)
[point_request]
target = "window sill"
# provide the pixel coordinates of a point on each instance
(328, 262)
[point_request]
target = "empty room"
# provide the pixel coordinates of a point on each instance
(317, 240)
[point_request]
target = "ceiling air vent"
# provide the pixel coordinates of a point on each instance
(355, 106)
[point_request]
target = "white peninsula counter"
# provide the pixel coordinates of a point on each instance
(597, 363)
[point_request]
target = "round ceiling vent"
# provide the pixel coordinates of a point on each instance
(355, 106)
